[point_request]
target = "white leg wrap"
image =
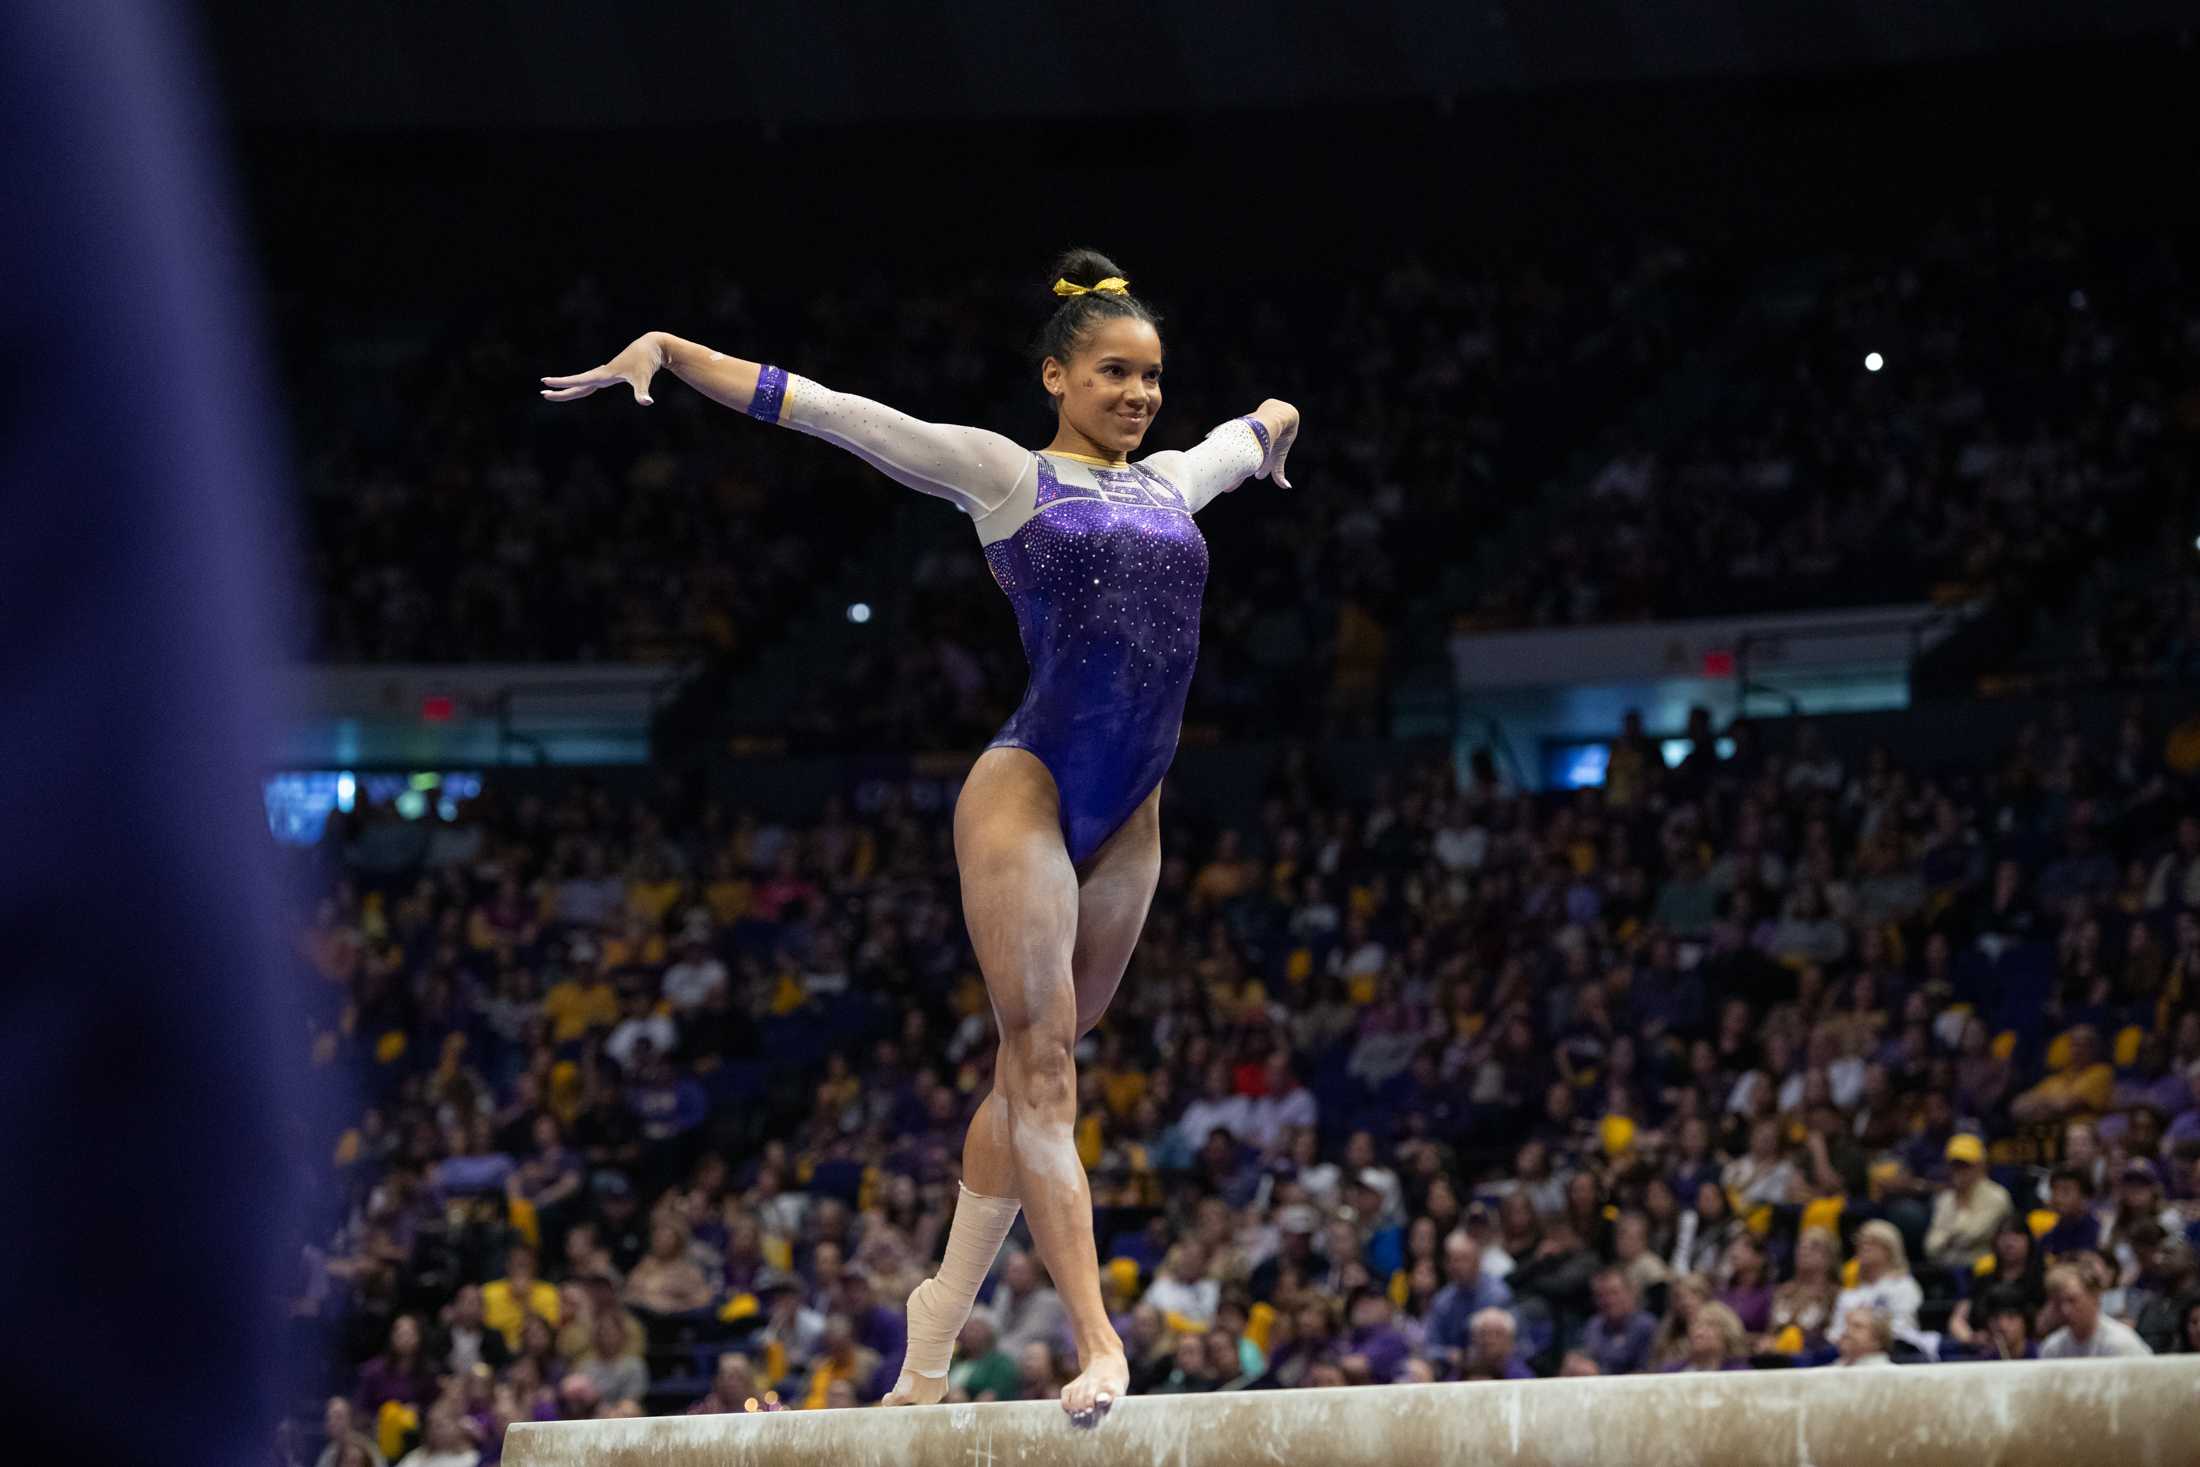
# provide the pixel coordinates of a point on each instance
(939, 1306)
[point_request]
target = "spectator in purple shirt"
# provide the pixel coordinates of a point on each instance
(876, 1326)
(668, 1103)
(475, 1164)
(1619, 1333)
(2185, 1123)
(1374, 1348)
(2151, 1081)
(402, 1373)
(1748, 1290)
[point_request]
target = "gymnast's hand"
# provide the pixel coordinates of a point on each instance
(634, 366)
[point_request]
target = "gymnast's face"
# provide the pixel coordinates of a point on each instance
(1110, 389)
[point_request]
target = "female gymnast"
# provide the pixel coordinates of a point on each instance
(1057, 828)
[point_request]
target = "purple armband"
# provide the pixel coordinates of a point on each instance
(771, 392)
(1259, 429)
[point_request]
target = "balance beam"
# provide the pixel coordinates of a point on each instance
(2134, 1413)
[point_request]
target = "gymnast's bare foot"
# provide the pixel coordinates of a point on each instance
(1107, 1377)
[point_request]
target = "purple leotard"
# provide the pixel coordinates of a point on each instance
(1103, 566)
(1106, 588)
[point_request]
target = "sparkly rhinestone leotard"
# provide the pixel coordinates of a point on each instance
(1103, 566)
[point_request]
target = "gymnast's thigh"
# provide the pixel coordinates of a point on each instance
(1114, 893)
(1020, 893)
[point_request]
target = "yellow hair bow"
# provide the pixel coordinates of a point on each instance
(1113, 285)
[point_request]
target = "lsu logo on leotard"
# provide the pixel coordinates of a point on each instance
(1137, 485)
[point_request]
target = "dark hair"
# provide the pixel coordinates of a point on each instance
(2075, 1174)
(1076, 315)
(2004, 1299)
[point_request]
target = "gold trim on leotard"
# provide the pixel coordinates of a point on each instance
(1086, 458)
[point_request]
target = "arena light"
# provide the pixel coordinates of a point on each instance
(859, 612)
(1873, 361)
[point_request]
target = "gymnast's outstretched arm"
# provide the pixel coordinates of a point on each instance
(976, 469)
(1251, 447)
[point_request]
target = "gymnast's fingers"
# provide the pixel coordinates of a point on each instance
(1283, 451)
(602, 376)
(579, 385)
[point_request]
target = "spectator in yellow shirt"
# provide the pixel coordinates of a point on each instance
(638, 943)
(2083, 1088)
(580, 1001)
(1227, 876)
(840, 1359)
(651, 892)
(506, 1302)
(729, 892)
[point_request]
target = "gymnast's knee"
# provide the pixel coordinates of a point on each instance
(1040, 1074)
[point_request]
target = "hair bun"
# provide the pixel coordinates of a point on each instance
(1083, 267)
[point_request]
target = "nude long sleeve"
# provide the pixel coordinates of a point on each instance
(1226, 458)
(976, 469)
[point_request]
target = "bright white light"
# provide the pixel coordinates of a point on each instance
(859, 612)
(1873, 361)
(2196, 542)
(347, 791)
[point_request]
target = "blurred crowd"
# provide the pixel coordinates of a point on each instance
(1783, 1059)
(1957, 413)
(2132, 621)
(1985, 404)
(451, 516)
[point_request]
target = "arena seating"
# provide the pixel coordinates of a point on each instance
(1429, 1082)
